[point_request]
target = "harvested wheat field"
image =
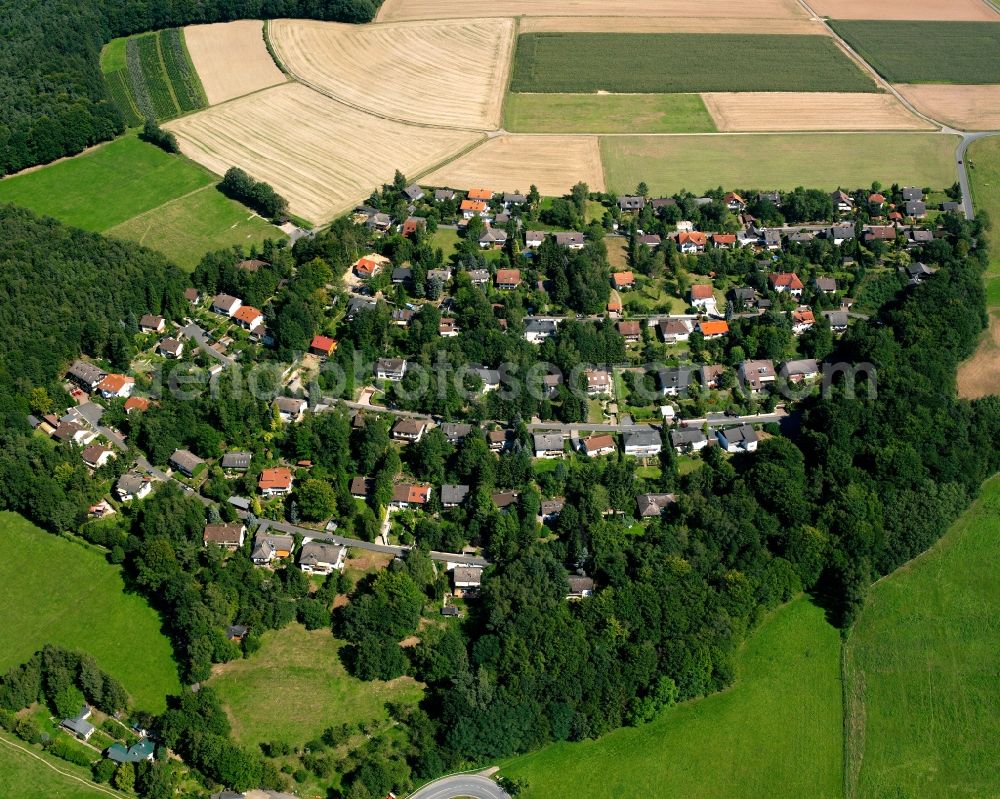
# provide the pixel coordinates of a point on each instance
(980, 375)
(451, 73)
(742, 112)
(321, 155)
(945, 10)
(231, 59)
(509, 163)
(961, 106)
(801, 26)
(397, 10)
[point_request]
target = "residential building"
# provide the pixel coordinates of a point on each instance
(116, 386)
(492, 237)
(551, 508)
(797, 371)
(756, 375)
(275, 482)
(709, 375)
(674, 331)
(409, 430)
(630, 331)
(702, 295)
(170, 348)
(631, 204)
(571, 240)
(401, 275)
(838, 234)
(291, 409)
(838, 320)
(73, 433)
(649, 240)
(323, 346)
(133, 485)
(321, 557)
(842, 202)
(688, 439)
(734, 202)
(85, 375)
(499, 440)
(598, 382)
(370, 265)
(674, 380)
(455, 432)
(737, 439)
(150, 323)
(141, 750)
(467, 580)
(724, 241)
(912, 193)
(826, 285)
(490, 378)
(653, 505)
(192, 295)
(508, 279)
(580, 586)
(533, 239)
(786, 282)
(225, 304)
(186, 462)
(448, 327)
(362, 487)
(623, 281)
(802, 320)
(406, 495)
(236, 461)
(916, 238)
(713, 328)
(505, 499)
(95, 456)
(642, 443)
(78, 724)
(390, 369)
(414, 192)
(453, 495)
(443, 195)
(537, 330)
(597, 445)
(549, 445)
(691, 242)
(228, 536)
(513, 199)
(248, 317)
(471, 208)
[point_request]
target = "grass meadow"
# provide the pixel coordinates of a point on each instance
(777, 161)
(682, 62)
(295, 686)
(137, 191)
(56, 591)
(983, 160)
(927, 52)
(24, 777)
(921, 666)
(776, 732)
(607, 113)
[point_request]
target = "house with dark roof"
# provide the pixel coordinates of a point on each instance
(78, 724)
(409, 430)
(268, 547)
(85, 375)
(467, 580)
(580, 586)
(631, 204)
(800, 370)
(150, 323)
(228, 536)
(321, 557)
(674, 381)
(642, 443)
(756, 375)
(653, 505)
(186, 462)
(571, 240)
(390, 369)
(453, 495)
(737, 439)
(688, 439)
(141, 750)
(133, 485)
(549, 445)
(455, 432)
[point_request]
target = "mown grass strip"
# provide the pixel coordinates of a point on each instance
(682, 62)
(607, 113)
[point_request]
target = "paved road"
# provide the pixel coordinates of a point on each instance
(461, 785)
(195, 332)
(398, 551)
(963, 171)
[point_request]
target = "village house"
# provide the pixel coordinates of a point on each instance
(537, 330)
(370, 265)
(737, 439)
(674, 381)
(275, 481)
(674, 331)
(321, 557)
(150, 323)
(734, 202)
(533, 239)
(170, 348)
(687, 440)
(876, 201)
(508, 279)
(623, 280)
(401, 275)
(489, 378)
(786, 282)
(838, 320)
(390, 369)
(918, 272)
(714, 328)
(653, 505)
(916, 238)
(649, 240)
(580, 587)
(456, 432)
(500, 440)
(709, 374)
(631, 204)
(192, 295)
(448, 327)
(414, 193)
(409, 430)
(453, 495)
(756, 375)
(642, 443)
(362, 487)
(248, 317)
(802, 320)
(879, 233)
(186, 462)
(85, 375)
(912, 193)
(742, 298)
(443, 195)
(406, 495)
(228, 536)
(95, 456)
(379, 222)
(571, 240)
(291, 409)
(142, 750)
(800, 370)
(492, 238)
(825, 285)
(548, 445)
(225, 304)
(467, 580)
(550, 509)
(236, 461)
(471, 208)
(724, 241)
(73, 433)
(78, 724)
(597, 445)
(484, 195)
(133, 485)
(691, 242)
(630, 331)
(324, 346)
(135, 404)
(505, 499)
(838, 234)
(703, 296)
(513, 199)
(116, 386)
(251, 265)
(842, 202)
(401, 317)
(598, 382)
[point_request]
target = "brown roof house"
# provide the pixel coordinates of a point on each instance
(228, 536)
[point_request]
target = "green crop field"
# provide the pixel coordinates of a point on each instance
(921, 666)
(777, 161)
(777, 732)
(983, 160)
(55, 591)
(927, 52)
(682, 62)
(607, 113)
(25, 777)
(151, 75)
(122, 188)
(295, 686)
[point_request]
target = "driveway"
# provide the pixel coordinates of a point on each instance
(461, 786)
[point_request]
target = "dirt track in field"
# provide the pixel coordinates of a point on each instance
(980, 375)
(321, 155)
(742, 112)
(231, 59)
(397, 10)
(975, 107)
(515, 162)
(944, 10)
(451, 73)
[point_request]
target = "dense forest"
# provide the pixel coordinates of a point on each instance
(51, 90)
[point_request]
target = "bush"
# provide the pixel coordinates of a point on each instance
(65, 749)
(27, 730)
(103, 769)
(164, 139)
(258, 195)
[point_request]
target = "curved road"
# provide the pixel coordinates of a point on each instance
(470, 786)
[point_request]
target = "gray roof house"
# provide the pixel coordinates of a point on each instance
(85, 374)
(916, 208)
(132, 485)
(442, 195)
(737, 439)
(185, 462)
(455, 431)
(453, 495)
(838, 320)
(414, 192)
(631, 203)
(549, 445)
(674, 381)
(319, 557)
(685, 439)
(271, 546)
(912, 193)
(236, 461)
(652, 505)
(642, 443)
(78, 724)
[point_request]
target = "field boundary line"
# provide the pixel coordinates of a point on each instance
(96, 786)
(452, 158)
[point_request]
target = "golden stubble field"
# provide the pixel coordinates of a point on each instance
(397, 10)
(448, 73)
(748, 112)
(231, 59)
(515, 162)
(944, 10)
(321, 155)
(975, 107)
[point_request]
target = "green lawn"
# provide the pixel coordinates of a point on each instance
(56, 591)
(607, 113)
(24, 777)
(112, 187)
(682, 62)
(445, 239)
(776, 733)
(927, 52)
(983, 158)
(295, 686)
(922, 664)
(777, 161)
